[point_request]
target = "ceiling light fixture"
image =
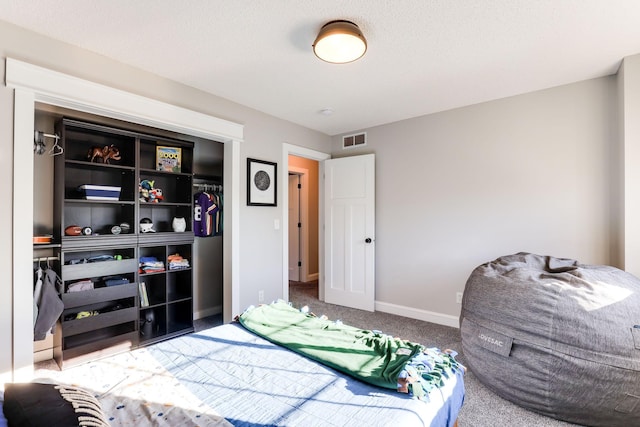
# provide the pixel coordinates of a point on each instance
(340, 42)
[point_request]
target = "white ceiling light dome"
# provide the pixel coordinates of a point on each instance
(340, 42)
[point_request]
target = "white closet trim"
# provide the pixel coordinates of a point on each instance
(55, 88)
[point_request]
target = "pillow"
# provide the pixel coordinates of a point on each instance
(36, 405)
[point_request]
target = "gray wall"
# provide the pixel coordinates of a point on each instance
(462, 187)
(629, 127)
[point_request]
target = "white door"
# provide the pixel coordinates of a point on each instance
(294, 229)
(349, 232)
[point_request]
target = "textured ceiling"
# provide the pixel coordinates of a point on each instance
(423, 56)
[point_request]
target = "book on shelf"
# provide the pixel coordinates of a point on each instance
(168, 159)
(144, 298)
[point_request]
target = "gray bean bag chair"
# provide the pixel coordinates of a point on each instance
(557, 337)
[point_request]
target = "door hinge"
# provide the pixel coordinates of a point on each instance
(299, 225)
(299, 264)
(299, 186)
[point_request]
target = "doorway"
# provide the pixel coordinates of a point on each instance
(303, 219)
(307, 164)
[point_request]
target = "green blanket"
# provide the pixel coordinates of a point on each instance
(370, 356)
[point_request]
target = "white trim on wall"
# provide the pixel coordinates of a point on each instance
(295, 150)
(419, 314)
(55, 88)
(33, 84)
(22, 306)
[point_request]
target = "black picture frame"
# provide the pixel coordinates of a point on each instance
(262, 183)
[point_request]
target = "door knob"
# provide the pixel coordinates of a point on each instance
(367, 240)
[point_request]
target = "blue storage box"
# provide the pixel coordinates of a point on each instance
(100, 192)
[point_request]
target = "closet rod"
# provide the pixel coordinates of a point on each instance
(46, 258)
(39, 136)
(216, 187)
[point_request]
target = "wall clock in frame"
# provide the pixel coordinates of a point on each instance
(261, 183)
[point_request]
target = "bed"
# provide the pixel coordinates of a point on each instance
(229, 374)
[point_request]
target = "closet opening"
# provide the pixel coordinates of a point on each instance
(33, 84)
(208, 173)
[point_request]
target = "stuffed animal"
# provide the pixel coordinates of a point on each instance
(149, 194)
(156, 195)
(105, 153)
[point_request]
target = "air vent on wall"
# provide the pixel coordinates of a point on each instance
(355, 140)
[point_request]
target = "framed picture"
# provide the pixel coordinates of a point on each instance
(261, 183)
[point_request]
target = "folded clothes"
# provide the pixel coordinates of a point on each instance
(153, 264)
(151, 270)
(114, 281)
(177, 262)
(97, 258)
(150, 264)
(179, 265)
(82, 285)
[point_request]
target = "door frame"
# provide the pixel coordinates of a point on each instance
(33, 84)
(319, 156)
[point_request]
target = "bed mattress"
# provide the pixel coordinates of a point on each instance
(251, 381)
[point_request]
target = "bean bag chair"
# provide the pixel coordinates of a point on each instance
(557, 337)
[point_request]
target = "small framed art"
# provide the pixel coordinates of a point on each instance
(261, 183)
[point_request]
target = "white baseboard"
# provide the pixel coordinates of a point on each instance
(207, 312)
(414, 313)
(313, 276)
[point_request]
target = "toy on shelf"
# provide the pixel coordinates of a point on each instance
(105, 153)
(148, 193)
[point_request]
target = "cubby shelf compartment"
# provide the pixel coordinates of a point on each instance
(99, 321)
(116, 321)
(99, 269)
(78, 174)
(176, 187)
(106, 341)
(81, 137)
(179, 316)
(162, 214)
(153, 324)
(108, 293)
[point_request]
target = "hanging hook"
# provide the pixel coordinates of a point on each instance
(56, 149)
